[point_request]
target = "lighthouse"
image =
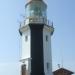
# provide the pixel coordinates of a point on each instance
(36, 32)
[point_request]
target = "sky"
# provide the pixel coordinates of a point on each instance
(61, 12)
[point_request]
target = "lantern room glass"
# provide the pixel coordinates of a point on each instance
(36, 9)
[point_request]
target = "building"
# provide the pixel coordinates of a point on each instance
(62, 71)
(36, 32)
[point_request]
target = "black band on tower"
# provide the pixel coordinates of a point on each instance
(37, 61)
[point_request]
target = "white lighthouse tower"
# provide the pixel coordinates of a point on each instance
(36, 32)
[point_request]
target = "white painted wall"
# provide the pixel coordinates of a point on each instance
(26, 49)
(47, 51)
(26, 45)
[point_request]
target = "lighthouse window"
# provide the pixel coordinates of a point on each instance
(46, 37)
(48, 66)
(26, 38)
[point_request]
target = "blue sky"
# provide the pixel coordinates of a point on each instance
(61, 12)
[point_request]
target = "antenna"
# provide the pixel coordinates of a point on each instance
(58, 65)
(19, 22)
(52, 23)
(22, 15)
(61, 58)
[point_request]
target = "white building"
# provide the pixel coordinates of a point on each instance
(36, 32)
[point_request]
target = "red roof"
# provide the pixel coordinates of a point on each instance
(62, 70)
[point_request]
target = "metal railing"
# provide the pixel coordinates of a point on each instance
(36, 20)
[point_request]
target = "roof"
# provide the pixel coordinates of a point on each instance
(63, 70)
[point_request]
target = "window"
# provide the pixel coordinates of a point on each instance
(48, 66)
(46, 38)
(26, 38)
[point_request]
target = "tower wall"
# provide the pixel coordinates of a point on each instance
(26, 39)
(47, 50)
(36, 49)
